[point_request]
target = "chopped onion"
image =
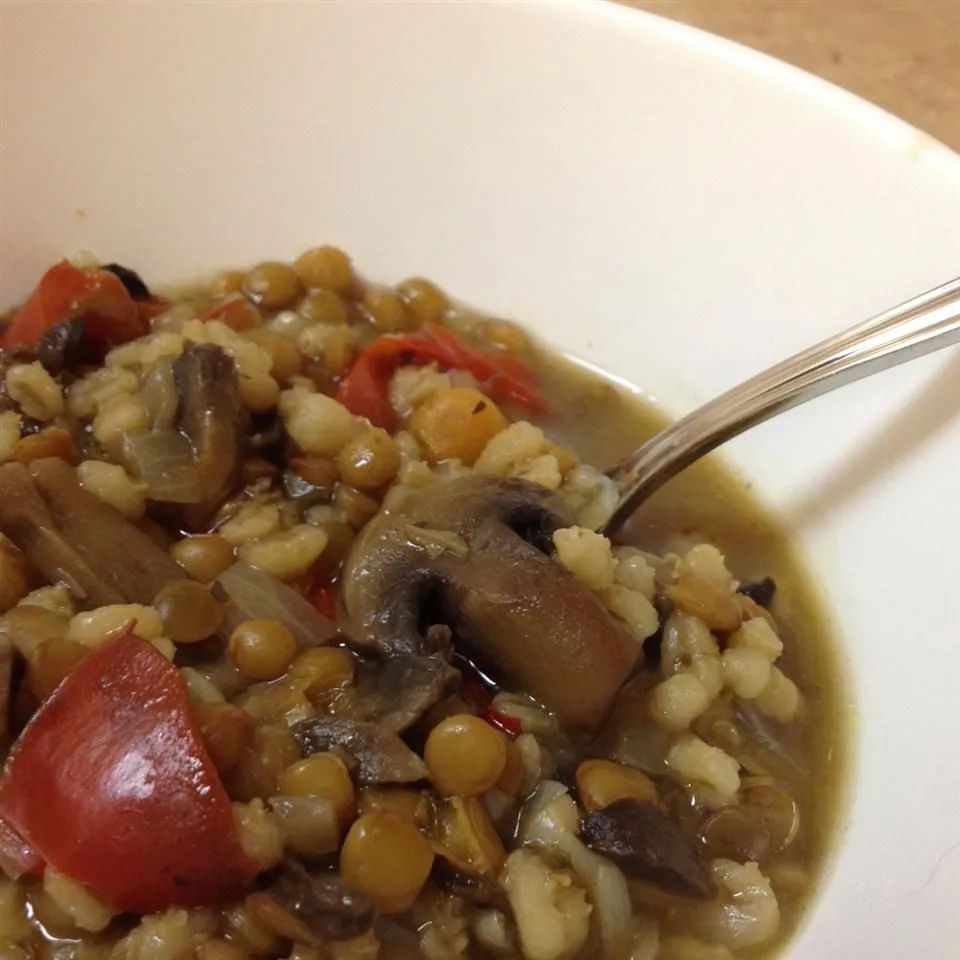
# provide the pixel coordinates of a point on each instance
(550, 820)
(255, 595)
(164, 461)
(159, 394)
(200, 687)
(771, 755)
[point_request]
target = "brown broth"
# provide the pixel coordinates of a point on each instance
(710, 502)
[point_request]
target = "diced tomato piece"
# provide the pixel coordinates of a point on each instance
(66, 292)
(365, 389)
(111, 784)
(476, 694)
(150, 308)
(509, 725)
(323, 595)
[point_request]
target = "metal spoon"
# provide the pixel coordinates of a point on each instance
(915, 328)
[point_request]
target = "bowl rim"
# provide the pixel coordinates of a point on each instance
(894, 131)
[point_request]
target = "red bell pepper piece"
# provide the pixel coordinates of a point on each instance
(365, 389)
(111, 784)
(472, 690)
(323, 595)
(509, 725)
(66, 292)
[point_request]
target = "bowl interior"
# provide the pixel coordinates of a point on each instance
(670, 207)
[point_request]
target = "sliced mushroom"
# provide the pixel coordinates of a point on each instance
(403, 689)
(213, 419)
(72, 537)
(647, 844)
(382, 757)
(130, 279)
(322, 902)
(474, 554)
(480, 890)
(65, 345)
(761, 592)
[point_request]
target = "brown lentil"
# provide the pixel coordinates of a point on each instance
(262, 649)
(423, 299)
(370, 460)
(323, 306)
(322, 775)
(188, 611)
(204, 556)
(386, 310)
(285, 359)
(230, 281)
(325, 668)
(465, 755)
(240, 315)
(272, 285)
(339, 351)
(325, 268)
(456, 424)
(386, 857)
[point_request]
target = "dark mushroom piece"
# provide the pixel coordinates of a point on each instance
(72, 537)
(213, 419)
(480, 890)
(381, 756)
(641, 839)
(402, 688)
(474, 554)
(761, 592)
(190, 459)
(322, 902)
(303, 492)
(130, 279)
(65, 345)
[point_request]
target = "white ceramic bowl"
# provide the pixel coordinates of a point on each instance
(672, 207)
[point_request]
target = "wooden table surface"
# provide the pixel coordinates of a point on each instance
(903, 55)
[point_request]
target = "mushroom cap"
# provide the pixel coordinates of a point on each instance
(475, 554)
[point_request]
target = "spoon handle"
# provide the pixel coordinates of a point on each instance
(915, 328)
